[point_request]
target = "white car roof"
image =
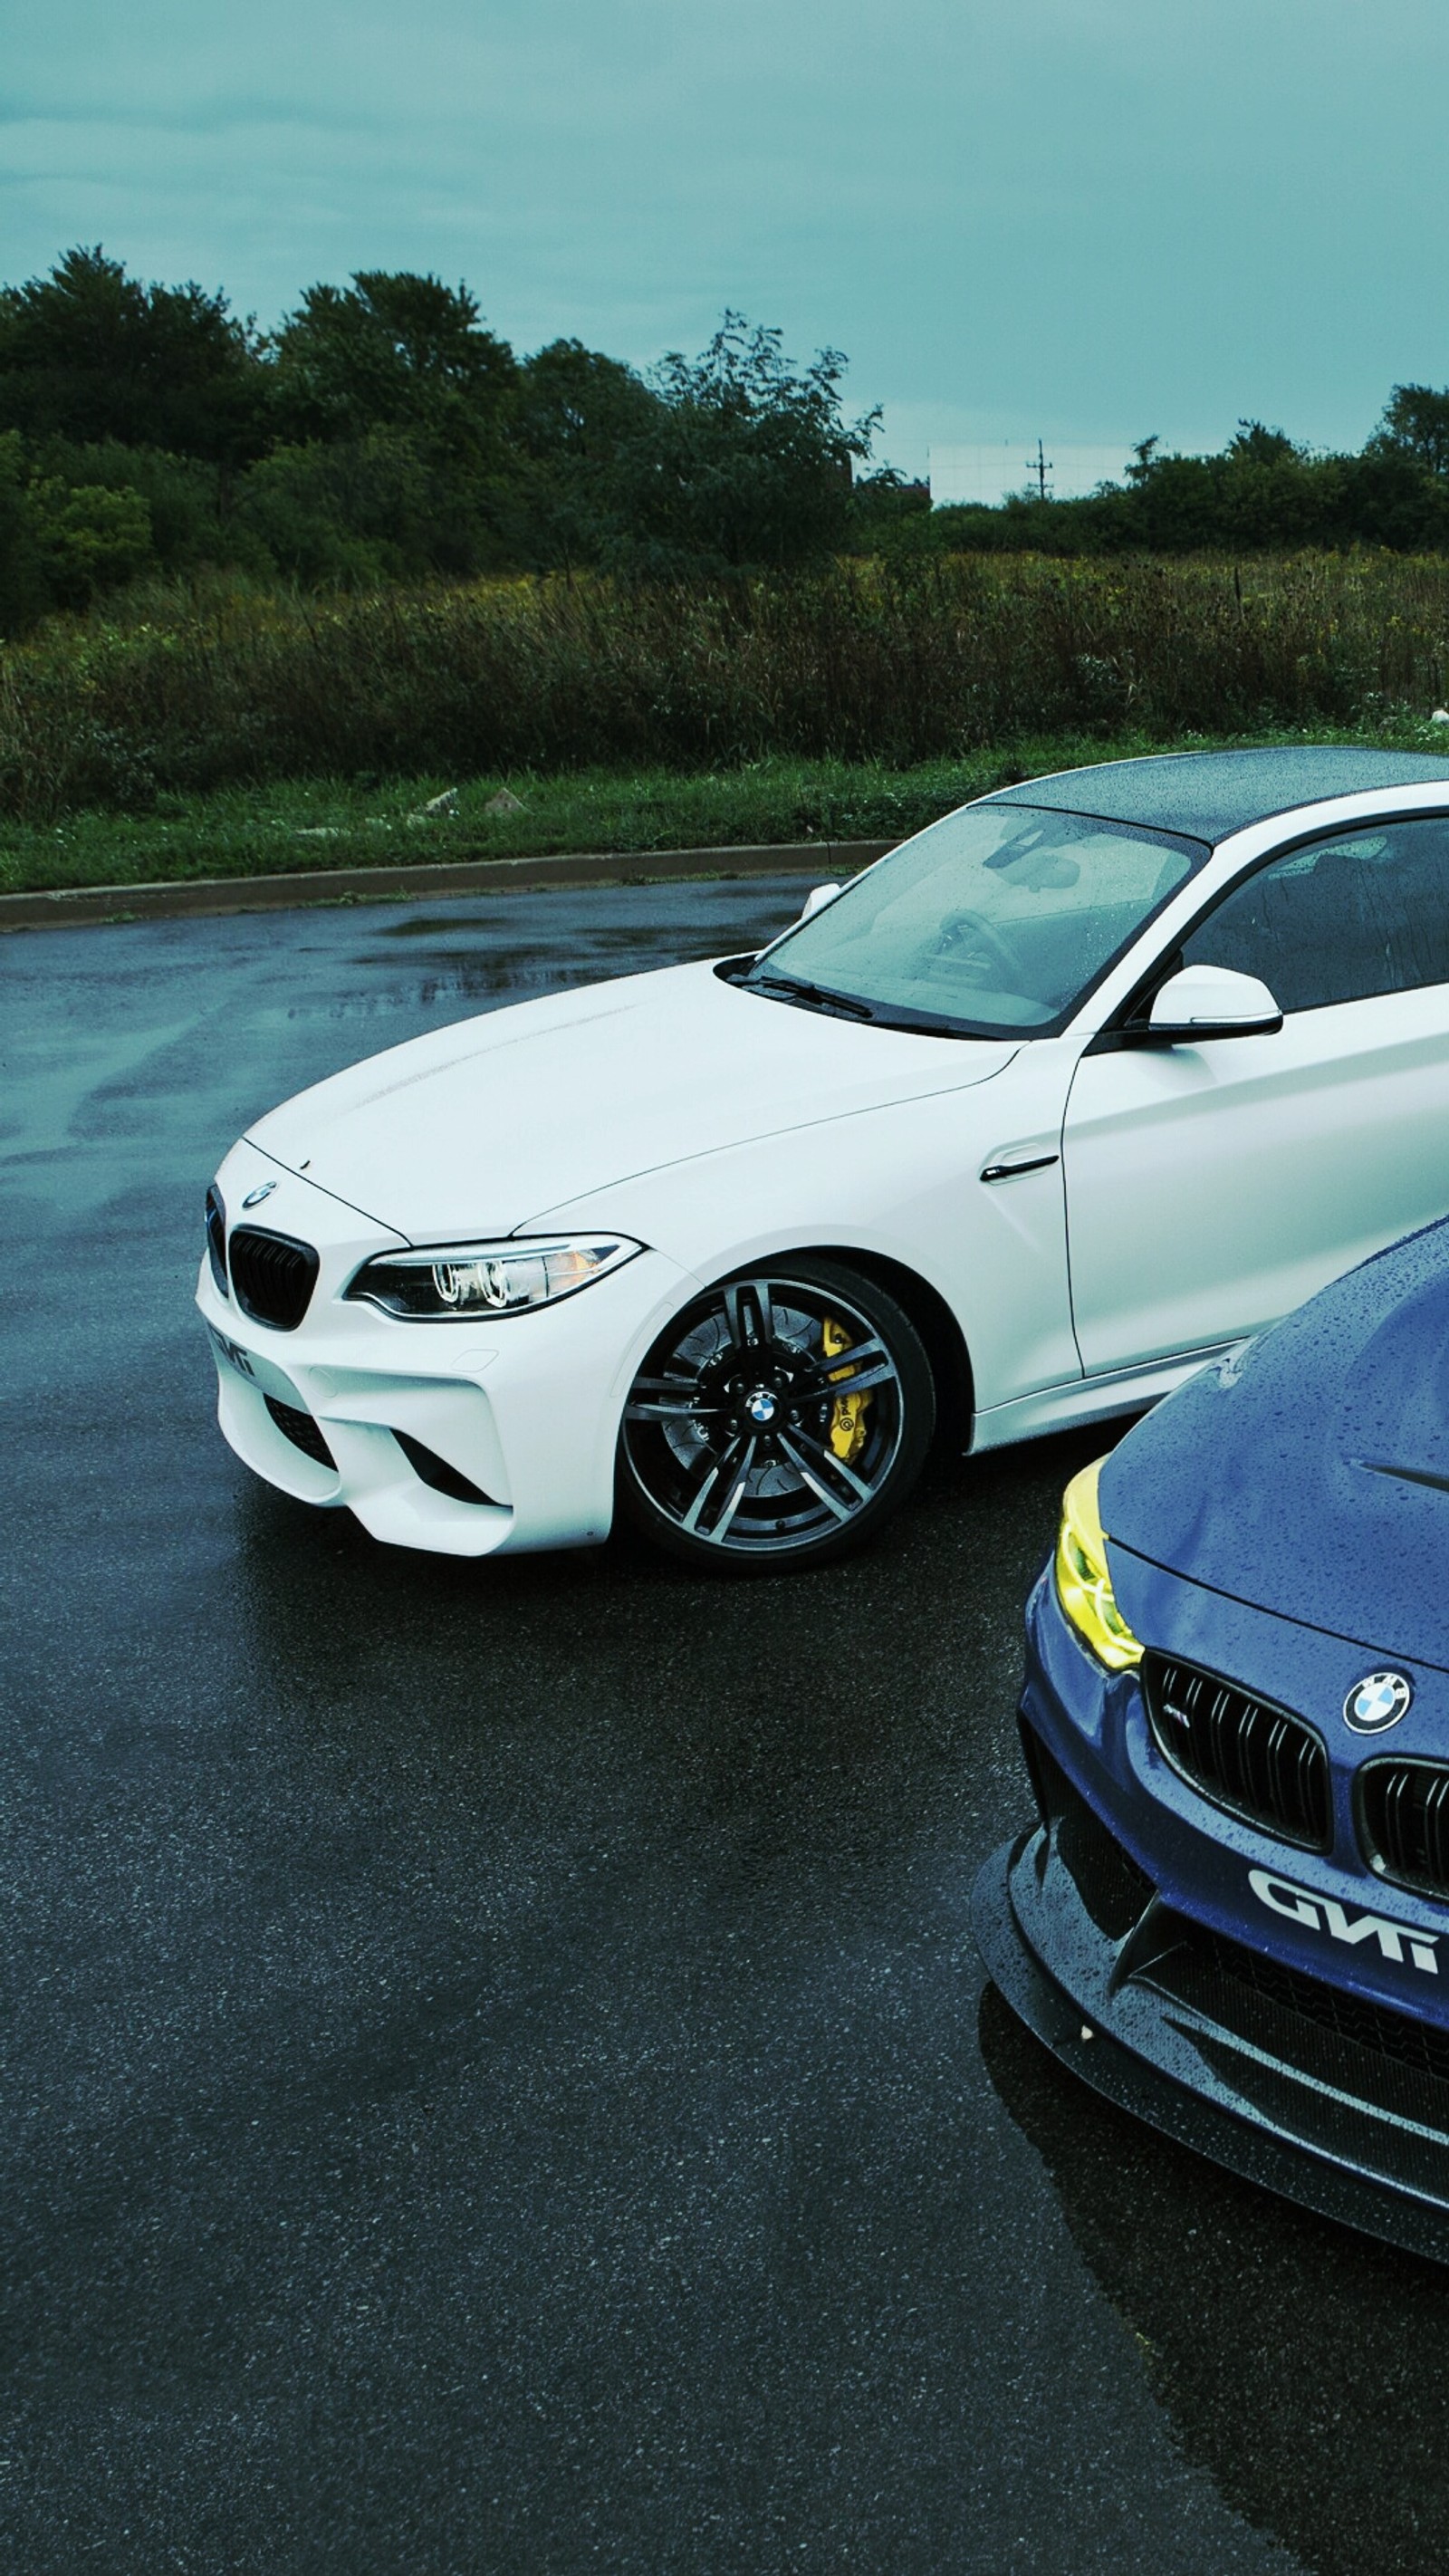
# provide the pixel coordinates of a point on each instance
(1209, 795)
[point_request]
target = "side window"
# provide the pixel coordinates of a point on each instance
(1340, 920)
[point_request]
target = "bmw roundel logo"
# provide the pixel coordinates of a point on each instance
(1378, 1701)
(255, 1197)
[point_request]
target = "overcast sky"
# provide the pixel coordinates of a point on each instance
(1089, 218)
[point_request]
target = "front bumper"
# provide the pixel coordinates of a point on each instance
(1175, 2008)
(523, 1413)
(1198, 2082)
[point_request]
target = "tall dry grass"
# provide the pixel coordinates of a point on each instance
(209, 690)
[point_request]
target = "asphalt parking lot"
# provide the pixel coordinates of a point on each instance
(497, 2075)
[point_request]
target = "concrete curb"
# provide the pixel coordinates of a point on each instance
(75, 906)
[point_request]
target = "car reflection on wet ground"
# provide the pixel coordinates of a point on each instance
(498, 2072)
(1302, 2366)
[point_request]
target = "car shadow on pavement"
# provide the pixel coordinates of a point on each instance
(860, 1709)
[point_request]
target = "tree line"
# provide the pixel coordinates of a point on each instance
(384, 433)
(1263, 493)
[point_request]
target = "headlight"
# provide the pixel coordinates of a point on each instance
(1084, 1586)
(455, 1283)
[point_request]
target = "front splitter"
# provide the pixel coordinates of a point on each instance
(1211, 2123)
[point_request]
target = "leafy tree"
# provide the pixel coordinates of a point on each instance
(399, 371)
(91, 353)
(575, 413)
(1262, 490)
(358, 511)
(391, 351)
(1175, 500)
(1256, 444)
(888, 514)
(1415, 425)
(744, 464)
(1270, 492)
(1391, 499)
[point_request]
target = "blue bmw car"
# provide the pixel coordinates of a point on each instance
(1232, 1915)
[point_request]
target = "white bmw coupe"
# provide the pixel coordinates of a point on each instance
(1080, 1086)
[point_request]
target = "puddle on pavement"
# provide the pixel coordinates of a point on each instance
(515, 951)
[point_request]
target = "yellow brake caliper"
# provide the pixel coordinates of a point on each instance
(848, 1412)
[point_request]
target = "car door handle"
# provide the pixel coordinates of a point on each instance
(1011, 1167)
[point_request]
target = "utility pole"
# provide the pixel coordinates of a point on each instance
(1038, 467)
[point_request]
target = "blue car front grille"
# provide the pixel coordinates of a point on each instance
(1302, 2021)
(1403, 1822)
(1241, 1752)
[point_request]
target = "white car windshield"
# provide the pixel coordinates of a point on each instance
(996, 921)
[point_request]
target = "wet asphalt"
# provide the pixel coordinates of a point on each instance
(496, 2072)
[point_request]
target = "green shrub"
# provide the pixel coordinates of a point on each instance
(23, 593)
(227, 685)
(88, 538)
(185, 498)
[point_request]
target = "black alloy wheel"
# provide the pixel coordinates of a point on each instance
(778, 1421)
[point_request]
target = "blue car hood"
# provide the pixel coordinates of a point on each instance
(1309, 1475)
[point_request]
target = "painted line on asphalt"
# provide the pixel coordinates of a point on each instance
(71, 907)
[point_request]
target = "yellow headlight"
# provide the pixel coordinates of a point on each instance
(1084, 1586)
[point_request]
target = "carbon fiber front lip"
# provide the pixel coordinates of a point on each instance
(1191, 2079)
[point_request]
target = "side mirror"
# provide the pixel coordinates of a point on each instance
(817, 898)
(1201, 1002)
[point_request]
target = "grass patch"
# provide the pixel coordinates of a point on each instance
(888, 671)
(317, 823)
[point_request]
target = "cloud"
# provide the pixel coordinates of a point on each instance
(1094, 216)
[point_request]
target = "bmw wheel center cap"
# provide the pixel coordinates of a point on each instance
(1378, 1701)
(761, 1406)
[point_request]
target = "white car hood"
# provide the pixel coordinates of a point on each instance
(477, 1128)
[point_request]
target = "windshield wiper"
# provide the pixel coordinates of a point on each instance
(907, 1026)
(814, 996)
(849, 1006)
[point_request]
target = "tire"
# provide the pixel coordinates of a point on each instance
(778, 1421)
